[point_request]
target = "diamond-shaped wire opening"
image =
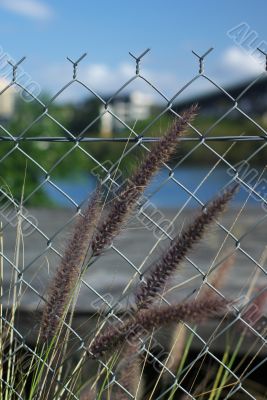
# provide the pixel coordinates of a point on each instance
(20, 185)
(136, 103)
(200, 91)
(235, 124)
(24, 116)
(199, 378)
(49, 127)
(81, 119)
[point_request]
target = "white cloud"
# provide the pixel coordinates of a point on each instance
(105, 80)
(230, 67)
(237, 61)
(28, 8)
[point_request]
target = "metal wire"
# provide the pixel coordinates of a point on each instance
(200, 141)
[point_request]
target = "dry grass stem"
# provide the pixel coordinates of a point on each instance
(161, 271)
(217, 278)
(129, 373)
(145, 320)
(68, 272)
(125, 201)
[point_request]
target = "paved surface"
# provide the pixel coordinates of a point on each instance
(110, 274)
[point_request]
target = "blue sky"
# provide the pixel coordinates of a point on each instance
(48, 31)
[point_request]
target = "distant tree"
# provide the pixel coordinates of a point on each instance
(38, 160)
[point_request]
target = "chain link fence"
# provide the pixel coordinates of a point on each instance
(241, 231)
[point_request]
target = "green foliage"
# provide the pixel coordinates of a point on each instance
(43, 160)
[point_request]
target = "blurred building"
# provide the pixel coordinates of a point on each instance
(252, 100)
(137, 106)
(129, 108)
(7, 100)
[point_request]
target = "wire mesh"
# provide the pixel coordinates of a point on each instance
(247, 243)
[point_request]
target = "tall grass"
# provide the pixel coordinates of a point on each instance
(124, 349)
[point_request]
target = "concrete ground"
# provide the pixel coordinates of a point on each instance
(110, 273)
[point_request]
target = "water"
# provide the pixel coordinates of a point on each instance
(164, 192)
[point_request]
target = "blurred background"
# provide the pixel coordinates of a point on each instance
(48, 32)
